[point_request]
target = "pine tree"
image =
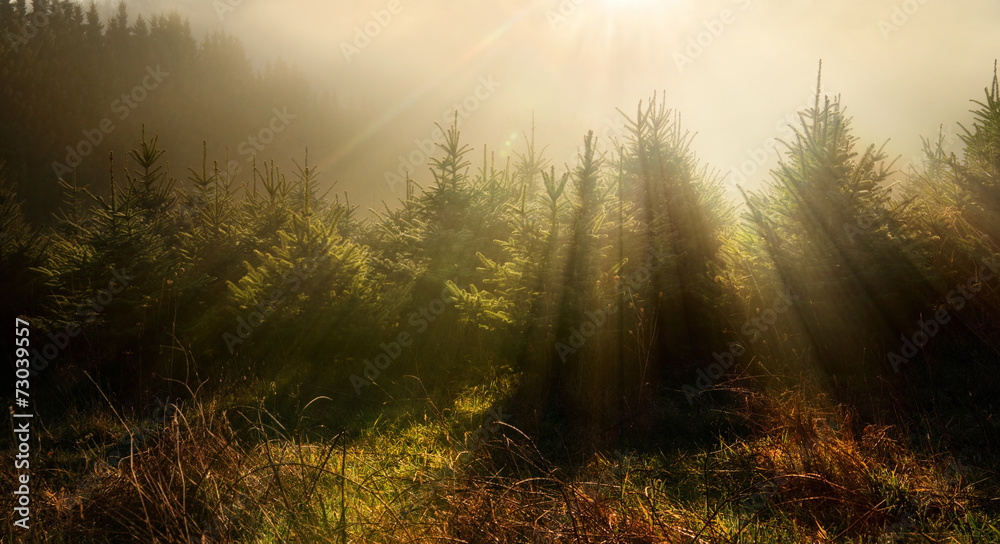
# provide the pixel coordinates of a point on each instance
(954, 201)
(22, 249)
(684, 215)
(828, 222)
(979, 172)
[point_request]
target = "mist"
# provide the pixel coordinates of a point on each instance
(737, 71)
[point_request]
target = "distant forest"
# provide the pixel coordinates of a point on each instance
(76, 89)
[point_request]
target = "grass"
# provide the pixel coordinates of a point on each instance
(437, 467)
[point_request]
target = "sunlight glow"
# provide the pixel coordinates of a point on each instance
(626, 4)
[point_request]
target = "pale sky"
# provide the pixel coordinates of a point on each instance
(902, 68)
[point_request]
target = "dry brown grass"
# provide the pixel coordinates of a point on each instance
(196, 479)
(199, 479)
(827, 474)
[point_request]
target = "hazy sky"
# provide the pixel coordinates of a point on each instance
(735, 69)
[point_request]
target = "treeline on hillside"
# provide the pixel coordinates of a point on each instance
(76, 88)
(624, 284)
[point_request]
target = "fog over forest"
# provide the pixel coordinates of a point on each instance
(571, 63)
